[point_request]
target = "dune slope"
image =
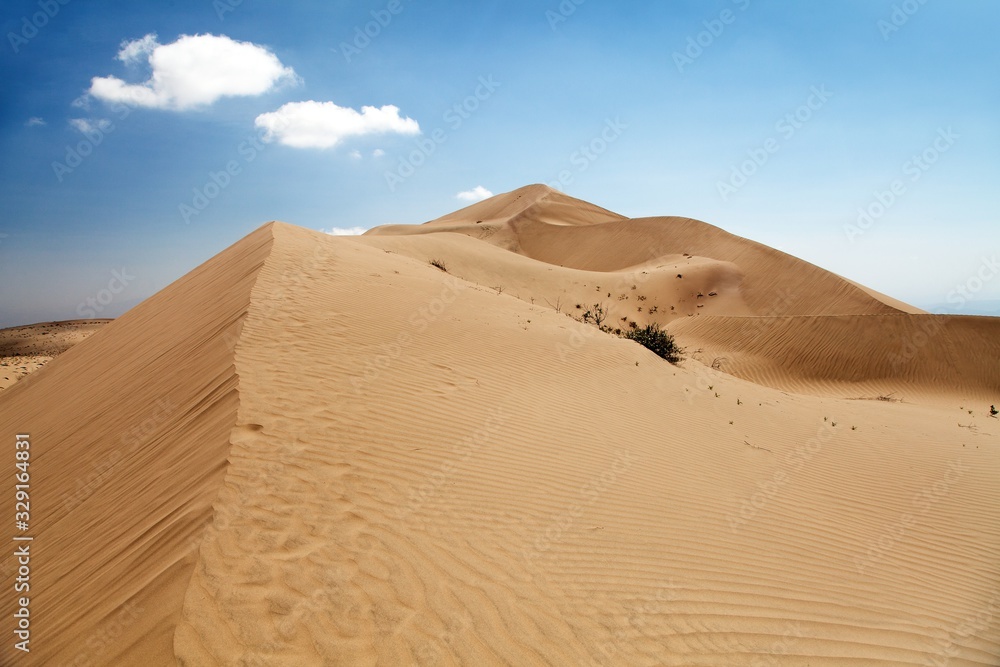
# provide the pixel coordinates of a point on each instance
(427, 472)
(912, 357)
(129, 437)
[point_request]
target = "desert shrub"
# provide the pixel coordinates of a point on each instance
(657, 340)
(439, 264)
(597, 315)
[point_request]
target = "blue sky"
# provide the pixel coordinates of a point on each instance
(778, 121)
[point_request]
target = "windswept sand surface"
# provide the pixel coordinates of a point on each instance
(365, 460)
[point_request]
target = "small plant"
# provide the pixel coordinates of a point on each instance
(598, 314)
(640, 297)
(834, 424)
(730, 422)
(854, 428)
(439, 264)
(679, 275)
(655, 339)
(716, 394)
(993, 411)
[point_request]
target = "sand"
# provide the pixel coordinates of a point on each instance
(25, 349)
(358, 458)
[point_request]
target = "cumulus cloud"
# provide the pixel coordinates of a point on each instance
(194, 71)
(477, 193)
(86, 126)
(314, 124)
(356, 155)
(345, 231)
(378, 152)
(35, 121)
(134, 51)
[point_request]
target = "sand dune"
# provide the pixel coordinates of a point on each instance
(371, 461)
(915, 357)
(129, 438)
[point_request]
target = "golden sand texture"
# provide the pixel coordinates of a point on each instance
(372, 461)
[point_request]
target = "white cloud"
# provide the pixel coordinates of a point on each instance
(477, 193)
(378, 152)
(194, 71)
(314, 124)
(356, 155)
(134, 51)
(86, 126)
(34, 121)
(345, 231)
